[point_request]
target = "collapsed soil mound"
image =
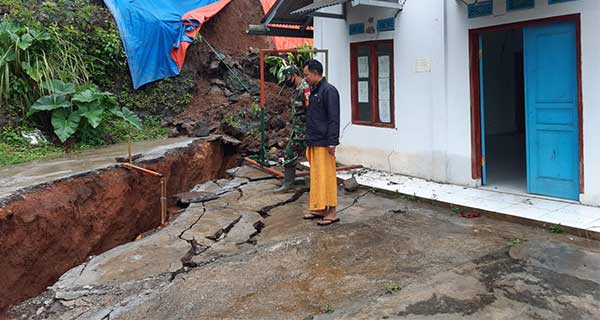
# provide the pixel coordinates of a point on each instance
(227, 84)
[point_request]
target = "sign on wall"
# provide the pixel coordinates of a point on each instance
(357, 28)
(386, 24)
(481, 9)
(519, 4)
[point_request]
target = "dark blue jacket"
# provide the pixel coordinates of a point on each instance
(323, 116)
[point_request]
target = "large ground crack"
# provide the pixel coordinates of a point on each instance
(355, 201)
(264, 212)
(197, 249)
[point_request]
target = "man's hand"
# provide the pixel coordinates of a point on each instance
(331, 150)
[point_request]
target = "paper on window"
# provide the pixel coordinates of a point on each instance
(384, 111)
(384, 89)
(363, 91)
(384, 66)
(363, 67)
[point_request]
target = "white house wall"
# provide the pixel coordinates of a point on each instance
(409, 147)
(458, 44)
(432, 138)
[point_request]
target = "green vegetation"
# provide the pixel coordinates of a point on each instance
(168, 95)
(392, 288)
(516, 242)
(407, 197)
(119, 130)
(456, 210)
(29, 57)
(15, 149)
(556, 229)
(327, 309)
(277, 64)
(64, 71)
(79, 110)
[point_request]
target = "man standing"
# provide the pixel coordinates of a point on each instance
(297, 144)
(322, 137)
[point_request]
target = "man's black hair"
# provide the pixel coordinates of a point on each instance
(314, 66)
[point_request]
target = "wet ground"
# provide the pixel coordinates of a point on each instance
(18, 177)
(249, 255)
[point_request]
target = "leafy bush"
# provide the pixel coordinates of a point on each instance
(75, 41)
(83, 109)
(28, 57)
(277, 64)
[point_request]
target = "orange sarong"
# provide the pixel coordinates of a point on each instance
(323, 180)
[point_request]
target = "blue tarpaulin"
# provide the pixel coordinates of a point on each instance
(156, 33)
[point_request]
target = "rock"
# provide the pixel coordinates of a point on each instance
(35, 137)
(215, 91)
(207, 187)
(68, 304)
(173, 132)
(230, 141)
(277, 123)
(231, 130)
(70, 295)
(273, 153)
(202, 129)
(247, 128)
(351, 185)
(168, 121)
(214, 65)
(217, 82)
(40, 311)
(233, 171)
(186, 198)
(124, 159)
(234, 98)
(252, 174)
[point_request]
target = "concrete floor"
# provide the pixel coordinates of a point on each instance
(506, 163)
(249, 255)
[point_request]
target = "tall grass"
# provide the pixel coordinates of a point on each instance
(29, 57)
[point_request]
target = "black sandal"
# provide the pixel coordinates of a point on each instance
(312, 216)
(327, 222)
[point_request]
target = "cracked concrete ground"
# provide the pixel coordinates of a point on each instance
(249, 255)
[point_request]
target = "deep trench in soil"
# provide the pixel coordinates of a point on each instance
(55, 227)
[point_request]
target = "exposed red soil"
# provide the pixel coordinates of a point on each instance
(56, 227)
(227, 30)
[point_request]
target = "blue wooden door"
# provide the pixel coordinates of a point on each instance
(551, 101)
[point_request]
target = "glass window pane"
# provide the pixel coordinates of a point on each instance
(364, 83)
(384, 82)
